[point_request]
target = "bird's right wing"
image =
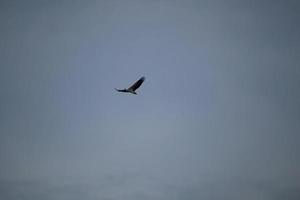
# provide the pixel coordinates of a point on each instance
(137, 84)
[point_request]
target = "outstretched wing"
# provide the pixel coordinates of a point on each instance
(137, 84)
(120, 90)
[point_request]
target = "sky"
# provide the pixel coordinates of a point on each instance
(218, 116)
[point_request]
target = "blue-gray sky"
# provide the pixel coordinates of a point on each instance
(218, 116)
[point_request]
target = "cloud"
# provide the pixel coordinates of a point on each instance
(142, 188)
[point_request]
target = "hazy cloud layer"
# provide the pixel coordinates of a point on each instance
(217, 118)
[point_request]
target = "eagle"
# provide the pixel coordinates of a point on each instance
(134, 86)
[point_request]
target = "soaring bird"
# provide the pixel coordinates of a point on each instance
(134, 87)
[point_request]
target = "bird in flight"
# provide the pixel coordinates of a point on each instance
(134, 86)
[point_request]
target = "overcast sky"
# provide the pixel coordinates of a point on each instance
(218, 116)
